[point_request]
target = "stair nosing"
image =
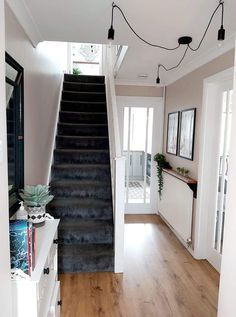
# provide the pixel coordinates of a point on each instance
(82, 165)
(83, 83)
(89, 102)
(83, 124)
(82, 136)
(84, 112)
(83, 150)
(84, 92)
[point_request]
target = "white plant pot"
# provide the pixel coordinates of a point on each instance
(36, 215)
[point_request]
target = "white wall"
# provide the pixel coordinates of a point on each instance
(227, 306)
(43, 67)
(5, 283)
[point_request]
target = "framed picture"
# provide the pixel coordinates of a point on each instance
(187, 129)
(172, 133)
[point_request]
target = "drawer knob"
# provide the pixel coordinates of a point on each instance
(59, 303)
(55, 241)
(46, 271)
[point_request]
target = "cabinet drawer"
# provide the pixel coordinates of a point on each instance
(54, 310)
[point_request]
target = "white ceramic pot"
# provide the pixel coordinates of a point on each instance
(36, 215)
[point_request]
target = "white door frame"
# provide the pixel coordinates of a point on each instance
(211, 85)
(157, 140)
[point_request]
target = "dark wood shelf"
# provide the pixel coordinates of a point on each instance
(192, 183)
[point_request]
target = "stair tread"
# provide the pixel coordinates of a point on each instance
(82, 150)
(82, 136)
(74, 165)
(77, 182)
(84, 102)
(83, 112)
(84, 92)
(92, 202)
(83, 124)
(83, 83)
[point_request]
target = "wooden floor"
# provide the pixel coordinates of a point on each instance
(160, 279)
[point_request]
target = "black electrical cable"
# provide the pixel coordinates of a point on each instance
(221, 4)
(176, 66)
(142, 39)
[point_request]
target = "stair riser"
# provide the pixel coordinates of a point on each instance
(10, 140)
(84, 79)
(59, 173)
(10, 126)
(10, 153)
(82, 118)
(79, 96)
(83, 107)
(92, 192)
(10, 114)
(89, 87)
(86, 264)
(80, 213)
(76, 143)
(83, 130)
(68, 237)
(81, 157)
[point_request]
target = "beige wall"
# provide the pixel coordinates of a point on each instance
(139, 91)
(42, 85)
(5, 287)
(186, 93)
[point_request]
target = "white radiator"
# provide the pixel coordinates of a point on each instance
(176, 206)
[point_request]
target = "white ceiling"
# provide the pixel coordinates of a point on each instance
(161, 22)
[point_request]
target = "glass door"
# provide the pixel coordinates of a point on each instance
(137, 147)
(226, 117)
(216, 218)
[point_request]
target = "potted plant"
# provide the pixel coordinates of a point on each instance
(161, 163)
(35, 199)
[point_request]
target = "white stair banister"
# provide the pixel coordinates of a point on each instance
(117, 160)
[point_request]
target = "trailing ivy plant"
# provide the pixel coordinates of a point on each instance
(161, 163)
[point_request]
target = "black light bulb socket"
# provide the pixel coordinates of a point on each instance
(158, 80)
(111, 33)
(221, 33)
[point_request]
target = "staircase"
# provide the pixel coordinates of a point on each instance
(80, 178)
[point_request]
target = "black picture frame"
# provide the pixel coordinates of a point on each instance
(15, 131)
(187, 133)
(172, 133)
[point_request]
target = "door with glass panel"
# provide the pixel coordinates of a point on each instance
(137, 148)
(219, 189)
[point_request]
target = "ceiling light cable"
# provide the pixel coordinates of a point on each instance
(184, 40)
(135, 33)
(221, 4)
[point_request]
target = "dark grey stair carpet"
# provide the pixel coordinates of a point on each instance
(81, 179)
(80, 156)
(83, 106)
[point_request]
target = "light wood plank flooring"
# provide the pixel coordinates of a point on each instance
(161, 279)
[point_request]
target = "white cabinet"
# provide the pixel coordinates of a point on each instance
(39, 296)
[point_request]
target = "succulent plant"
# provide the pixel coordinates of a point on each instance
(36, 195)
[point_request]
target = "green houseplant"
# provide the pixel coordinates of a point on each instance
(76, 71)
(161, 163)
(35, 199)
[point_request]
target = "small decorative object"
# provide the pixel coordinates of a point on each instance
(183, 171)
(19, 245)
(36, 198)
(172, 133)
(161, 163)
(76, 71)
(21, 213)
(187, 127)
